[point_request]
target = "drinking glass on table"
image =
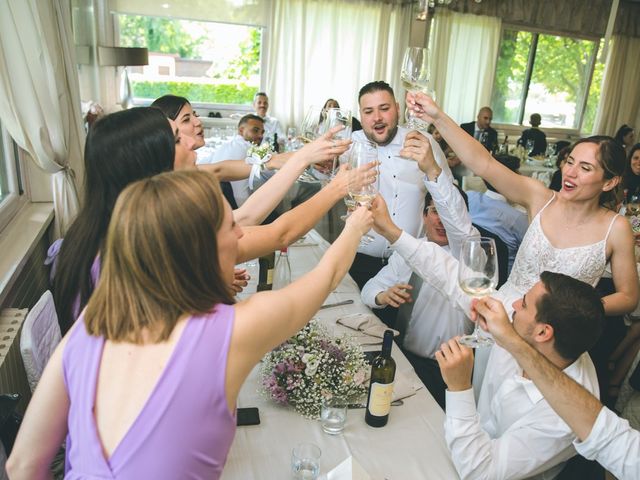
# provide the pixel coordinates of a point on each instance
(305, 461)
(478, 277)
(363, 181)
(333, 415)
(415, 77)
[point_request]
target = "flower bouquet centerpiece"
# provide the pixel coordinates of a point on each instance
(312, 366)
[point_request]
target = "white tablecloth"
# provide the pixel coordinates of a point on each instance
(538, 171)
(410, 446)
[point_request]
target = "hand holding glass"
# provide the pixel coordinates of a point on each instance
(415, 76)
(478, 277)
(363, 181)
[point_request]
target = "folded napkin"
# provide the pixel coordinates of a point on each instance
(350, 469)
(367, 323)
(404, 387)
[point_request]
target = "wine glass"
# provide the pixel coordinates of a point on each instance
(333, 118)
(415, 77)
(311, 128)
(478, 276)
(363, 188)
(529, 145)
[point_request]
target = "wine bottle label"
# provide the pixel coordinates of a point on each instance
(380, 399)
(270, 276)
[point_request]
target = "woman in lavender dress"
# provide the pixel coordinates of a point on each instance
(145, 384)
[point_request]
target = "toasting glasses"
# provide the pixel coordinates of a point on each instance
(415, 76)
(478, 277)
(363, 181)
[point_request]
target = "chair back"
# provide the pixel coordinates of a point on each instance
(39, 338)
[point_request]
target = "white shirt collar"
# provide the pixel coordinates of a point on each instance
(532, 391)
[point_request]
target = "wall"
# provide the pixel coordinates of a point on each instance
(32, 281)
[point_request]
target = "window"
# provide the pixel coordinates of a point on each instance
(10, 189)
(555, 76)
(206, 62)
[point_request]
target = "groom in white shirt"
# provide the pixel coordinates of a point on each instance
(513, 433)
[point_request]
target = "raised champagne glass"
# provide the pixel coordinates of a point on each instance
(312, 127)
(478, 277)
(415, 77)
(363, 181)
(334, 117)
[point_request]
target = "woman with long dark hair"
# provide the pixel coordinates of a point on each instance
(138, 143)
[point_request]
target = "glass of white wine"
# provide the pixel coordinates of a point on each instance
(312, 127)
(478, 277)
(363, 181)
(415, 77)
(333, 118)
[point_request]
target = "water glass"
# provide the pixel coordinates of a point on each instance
(305, 461)
(333, 415)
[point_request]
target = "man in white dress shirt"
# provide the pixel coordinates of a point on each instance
(426, 317)
(401, 181)
(250, 132)
(602, 435)
(513, 433)
(271, 124)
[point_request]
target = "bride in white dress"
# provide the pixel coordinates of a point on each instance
(571, 231)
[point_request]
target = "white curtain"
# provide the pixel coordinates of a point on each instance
(620, 98)
(39, 94)
(464, 48)
(329, 49)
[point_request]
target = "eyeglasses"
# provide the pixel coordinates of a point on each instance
(431, 209)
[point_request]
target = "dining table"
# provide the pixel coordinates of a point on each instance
(538, 170)
(410, 446)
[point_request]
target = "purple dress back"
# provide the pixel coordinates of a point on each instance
(185, 428)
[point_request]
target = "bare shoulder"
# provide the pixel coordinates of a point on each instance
(620, 237)
(539, 196)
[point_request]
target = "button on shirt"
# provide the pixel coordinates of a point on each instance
(614, 445)
(402, 187)
(234, 149)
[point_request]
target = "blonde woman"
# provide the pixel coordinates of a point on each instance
(146, 382)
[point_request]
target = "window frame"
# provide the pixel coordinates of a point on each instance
(203, 108)
(11, 158)
(581, 104)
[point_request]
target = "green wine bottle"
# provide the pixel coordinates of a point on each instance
(265, 275)
(383, 372)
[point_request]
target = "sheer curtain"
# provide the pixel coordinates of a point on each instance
(464, 49)
(39, 94)
(620, 99)
(329, 49)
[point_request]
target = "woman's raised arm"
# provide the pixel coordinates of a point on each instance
(266, 319)
(517, 188)
(262, 202)
(290, 226)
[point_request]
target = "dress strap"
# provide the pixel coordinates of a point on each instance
(553, 196)
(610, 227)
